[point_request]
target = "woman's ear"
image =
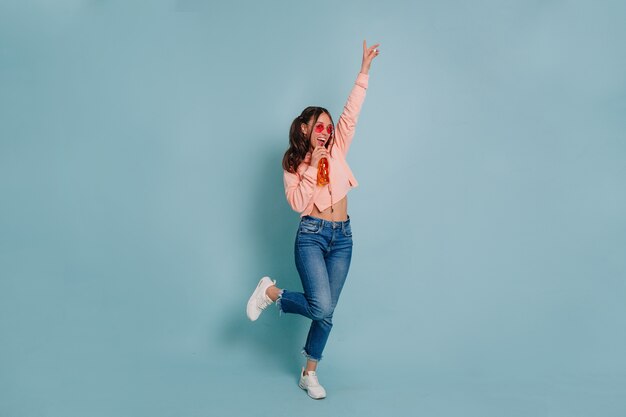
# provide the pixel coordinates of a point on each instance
(304, 128)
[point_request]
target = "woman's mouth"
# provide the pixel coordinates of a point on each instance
(321, 141)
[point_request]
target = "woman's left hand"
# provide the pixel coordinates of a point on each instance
(368, 55)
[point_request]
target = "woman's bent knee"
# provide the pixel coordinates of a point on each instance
(321, 313)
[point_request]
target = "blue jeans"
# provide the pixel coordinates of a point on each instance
(323, 251)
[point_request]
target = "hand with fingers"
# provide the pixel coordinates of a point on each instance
(368, 55)
(318, 153)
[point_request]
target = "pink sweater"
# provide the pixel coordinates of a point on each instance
(301, 187)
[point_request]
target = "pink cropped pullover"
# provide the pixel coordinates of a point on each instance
(301, 187)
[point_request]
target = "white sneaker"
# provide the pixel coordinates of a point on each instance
(311, 385)
(259, 300)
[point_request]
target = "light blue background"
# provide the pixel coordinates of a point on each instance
(141, 200)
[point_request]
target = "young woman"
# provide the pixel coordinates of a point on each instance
(323, 246)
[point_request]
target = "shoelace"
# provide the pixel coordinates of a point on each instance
(312, 379)
(264, 302)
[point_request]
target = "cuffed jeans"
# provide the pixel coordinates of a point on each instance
(323, 250)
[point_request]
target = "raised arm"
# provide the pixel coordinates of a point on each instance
(368, 56)
(350, 115)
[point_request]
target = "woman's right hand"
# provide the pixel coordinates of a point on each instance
(319, 153)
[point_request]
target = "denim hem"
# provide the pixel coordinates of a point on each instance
(279, 305)
(309, 357)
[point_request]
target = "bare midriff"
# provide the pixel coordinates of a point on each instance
(338, 212)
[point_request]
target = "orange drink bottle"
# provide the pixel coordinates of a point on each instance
(322, 172)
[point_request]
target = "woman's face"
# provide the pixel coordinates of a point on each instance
(321, 130)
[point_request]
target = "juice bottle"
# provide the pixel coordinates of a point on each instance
(322, 172)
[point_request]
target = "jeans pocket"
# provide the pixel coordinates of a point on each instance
(309, 227)
(347, 230)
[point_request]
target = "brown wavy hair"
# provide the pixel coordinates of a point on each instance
(299, 143)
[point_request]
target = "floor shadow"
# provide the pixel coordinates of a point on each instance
(278, 340)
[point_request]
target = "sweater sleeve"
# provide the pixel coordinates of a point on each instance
(347, 121)
(299, 188)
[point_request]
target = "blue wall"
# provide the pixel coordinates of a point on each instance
(141, 198)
